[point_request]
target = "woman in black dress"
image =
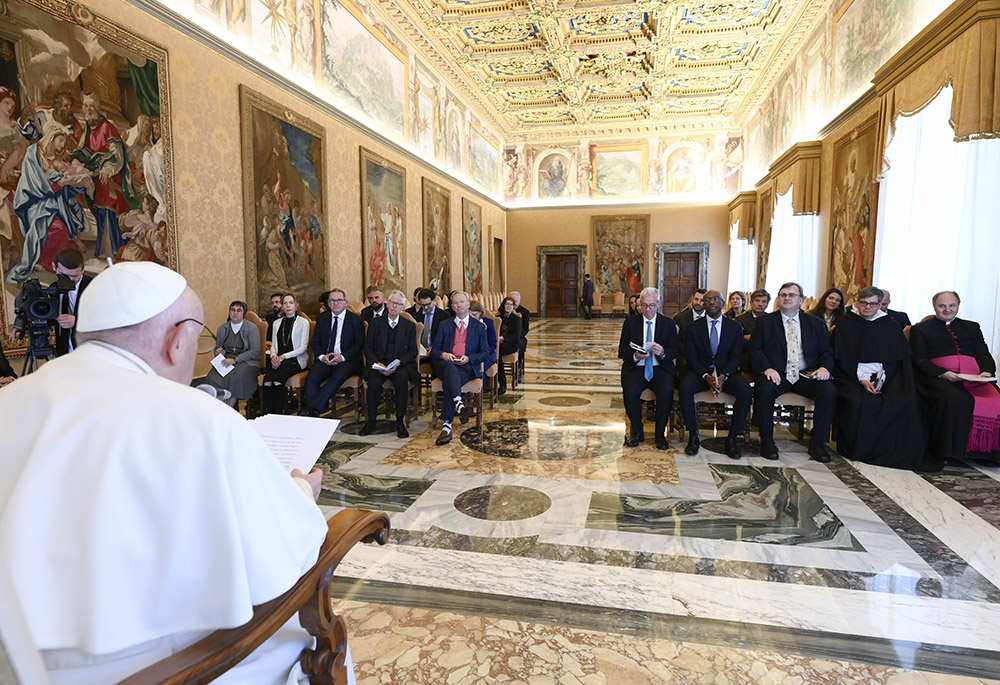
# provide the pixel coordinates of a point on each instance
(509, 336)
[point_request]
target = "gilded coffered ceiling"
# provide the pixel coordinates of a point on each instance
(577, 68)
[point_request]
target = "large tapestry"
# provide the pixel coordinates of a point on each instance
(85, 156)
(472, 246)
(855, 203)
(620, 244)
(765, 207)
(284, 230)
(437, 237)
(383, 221)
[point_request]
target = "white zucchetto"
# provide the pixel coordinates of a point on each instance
(126, 294)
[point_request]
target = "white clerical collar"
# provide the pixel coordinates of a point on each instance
(118, 356)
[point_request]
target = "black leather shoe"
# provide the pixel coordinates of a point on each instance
(635, 440)
(733, 448)
(661, 443)
(367, 428)
(694, 442)
(464, 413)
(818, 451)
(401, 431)
(307, 411)
(444, 438)
(502, 390)
(768, 449)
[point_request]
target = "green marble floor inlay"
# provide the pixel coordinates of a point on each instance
(770, 505)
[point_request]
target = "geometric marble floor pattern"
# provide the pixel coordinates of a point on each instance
(539, 549)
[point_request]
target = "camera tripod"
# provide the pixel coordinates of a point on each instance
(32, 356)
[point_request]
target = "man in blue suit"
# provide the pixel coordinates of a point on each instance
(653, 367)
(790, 352)
(338, 344)
(457, 357)
(713, 346)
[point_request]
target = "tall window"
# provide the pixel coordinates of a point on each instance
(742, 262)
(937, 223)
(794, 251)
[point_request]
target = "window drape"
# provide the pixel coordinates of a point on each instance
(742, 262)
(938, 211)
(794, 251)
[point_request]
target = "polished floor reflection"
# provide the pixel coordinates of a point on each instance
(540, 534)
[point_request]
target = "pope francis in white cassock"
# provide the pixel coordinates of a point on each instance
(138, 514)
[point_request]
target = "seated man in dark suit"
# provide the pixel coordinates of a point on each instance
(392, 343)
(652, 368)
(457, 355)
(275, 312)
(376, 304)
(338, 342)
(790, 352)
(748, 319)
(694, 311)
(430, 316)
(713, 346)
(69, 265)
(899, 317)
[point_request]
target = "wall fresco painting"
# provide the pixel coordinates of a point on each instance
(485, 159)
(619, 171)
(361, 68)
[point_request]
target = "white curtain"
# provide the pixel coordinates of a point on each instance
(742, 262)
(794, 250)
(939, 204)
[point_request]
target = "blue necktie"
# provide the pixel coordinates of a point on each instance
(713, 339)
(648, 373)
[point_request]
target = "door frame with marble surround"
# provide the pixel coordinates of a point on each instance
(661, 249)
(541, 252)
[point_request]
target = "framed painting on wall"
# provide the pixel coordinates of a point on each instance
(619, 170)
(437, 237)
(283, 207)
(620, 246)
(472, 246)
(383, 222)
(80, 94)
(855, 204)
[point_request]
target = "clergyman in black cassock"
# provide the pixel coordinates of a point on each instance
(878, 411)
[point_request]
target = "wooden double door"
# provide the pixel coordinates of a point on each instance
(562, 275)
(680, 279)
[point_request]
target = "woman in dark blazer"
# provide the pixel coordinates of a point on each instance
(510, 335)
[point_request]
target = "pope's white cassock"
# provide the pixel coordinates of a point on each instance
(137, 514)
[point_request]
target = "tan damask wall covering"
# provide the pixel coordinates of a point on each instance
(204, 89)
(572, 226)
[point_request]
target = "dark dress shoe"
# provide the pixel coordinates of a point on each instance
(694, 442)
(635, 440)
(733, 448)
(465, 413)
(768, 449)
(661, 443)
(818, 451)
(308, 412)
(401, 431)
(502, 390)
(444, 438)
(367, 428)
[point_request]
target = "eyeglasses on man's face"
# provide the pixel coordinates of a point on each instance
(206, 340)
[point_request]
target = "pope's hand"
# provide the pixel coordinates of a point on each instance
(314, 478)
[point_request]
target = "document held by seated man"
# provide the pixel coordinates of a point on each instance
(296, 441)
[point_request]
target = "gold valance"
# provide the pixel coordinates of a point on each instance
(799, 168)
(960, 48)
(742, 208)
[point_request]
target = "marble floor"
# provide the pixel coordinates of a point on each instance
(538, 549)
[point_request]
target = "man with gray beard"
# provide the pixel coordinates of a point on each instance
(102, 150)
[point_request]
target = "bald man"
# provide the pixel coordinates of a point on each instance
(147, 512)
(899, 317)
